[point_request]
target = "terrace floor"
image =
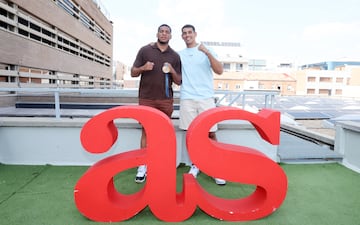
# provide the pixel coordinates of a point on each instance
(317, 194)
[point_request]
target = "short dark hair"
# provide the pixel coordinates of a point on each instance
(164, 25)
(188, 26)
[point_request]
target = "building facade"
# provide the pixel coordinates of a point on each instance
(55, 43)
(256, 80)
(331, 78)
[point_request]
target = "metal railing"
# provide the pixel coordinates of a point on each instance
(230, 97)
(224, 98)
(50, 79)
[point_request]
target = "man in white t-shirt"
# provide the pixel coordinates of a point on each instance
(197, 89)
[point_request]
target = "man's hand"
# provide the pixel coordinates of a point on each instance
(147, 66)
(203, 49)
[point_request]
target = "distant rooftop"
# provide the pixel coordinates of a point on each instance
(330, 65)
(102, 8)
(223, 44)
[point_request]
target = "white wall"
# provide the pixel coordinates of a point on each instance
(39, 141)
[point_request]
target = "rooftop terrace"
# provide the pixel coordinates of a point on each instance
(321, 190)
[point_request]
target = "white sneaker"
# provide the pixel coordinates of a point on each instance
(194, 171)
(141, 174)
(219, 181)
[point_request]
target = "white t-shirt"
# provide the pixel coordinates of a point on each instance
(197, 75)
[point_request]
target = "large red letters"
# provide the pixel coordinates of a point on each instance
(97, 198)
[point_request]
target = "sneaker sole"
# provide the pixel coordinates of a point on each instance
(220, 182)
(140, 181)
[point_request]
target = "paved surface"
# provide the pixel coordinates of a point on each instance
(294, 150)
(318, 126)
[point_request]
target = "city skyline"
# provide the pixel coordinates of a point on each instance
(299, 32)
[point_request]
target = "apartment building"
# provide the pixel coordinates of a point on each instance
(241, 73)
(55, 43)
(331, 78)
(256, 80)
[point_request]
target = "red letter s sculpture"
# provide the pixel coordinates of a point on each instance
(238, 164)
(97, 198)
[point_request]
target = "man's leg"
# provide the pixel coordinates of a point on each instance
(141, 171)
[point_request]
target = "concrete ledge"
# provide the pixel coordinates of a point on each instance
(7, 100)
(41, 122)
(61, 122)
(349, 125)
(314, 135)
(79, 122)
(347, 142)
(44, 140)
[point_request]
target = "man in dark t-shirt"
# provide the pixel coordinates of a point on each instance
(159, 66)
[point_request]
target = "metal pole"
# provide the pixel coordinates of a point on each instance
(243, 101)
(57, 105)
(266, 100)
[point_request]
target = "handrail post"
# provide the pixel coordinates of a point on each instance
(243, 101)
(266, 100)
(57, 104)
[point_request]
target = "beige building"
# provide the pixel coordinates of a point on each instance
(341, 79)
(119, 73)
(241, 73)
(256, 80)
(55, 43)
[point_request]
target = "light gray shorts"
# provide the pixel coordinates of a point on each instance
(190, 109)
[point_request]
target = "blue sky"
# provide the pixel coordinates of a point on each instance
(296, 31)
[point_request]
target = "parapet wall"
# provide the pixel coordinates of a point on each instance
(41, 140)
(347, 142)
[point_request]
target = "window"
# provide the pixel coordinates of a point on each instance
(311, 79)
(339, 80)
(23, 21)
(75, 81)
(23, 32)
(3, 12)
(35, 27)
(325, 91)
(325, 79)
(226, 66)
(48, 33)
(239, 66)
(310, 91)
(3, 25)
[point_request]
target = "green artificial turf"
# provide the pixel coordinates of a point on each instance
(317, 194)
